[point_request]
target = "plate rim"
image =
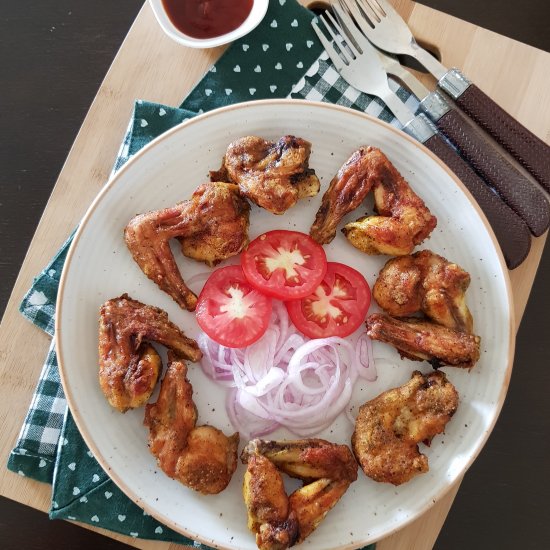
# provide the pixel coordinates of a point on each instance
(112, 181)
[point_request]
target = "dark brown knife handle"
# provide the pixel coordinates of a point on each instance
(511, 231)
(525, 146)
(523, 196)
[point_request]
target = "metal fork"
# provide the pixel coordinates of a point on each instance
(355, 58)
(385, 28)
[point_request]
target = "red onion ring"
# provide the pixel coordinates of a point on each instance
(286, 379)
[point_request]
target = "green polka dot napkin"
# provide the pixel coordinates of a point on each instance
(280, 58)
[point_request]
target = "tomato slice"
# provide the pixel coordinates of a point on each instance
(337, 307)
(230, 310)
(287, 265)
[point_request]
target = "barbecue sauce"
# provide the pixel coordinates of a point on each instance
(207, 18)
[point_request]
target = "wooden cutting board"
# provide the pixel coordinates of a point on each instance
(150, 66)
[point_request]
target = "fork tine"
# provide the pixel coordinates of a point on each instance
(332, 53)
(385, 8)
(351, 30)
(343, 37)
(377, 6)
(335, 36)
(360, 17)
(343, 22)
(368, 7)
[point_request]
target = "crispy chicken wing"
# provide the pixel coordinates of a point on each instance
(220, 225)
(279, 521)
(428, 283)
(403, 219)
(128, 366)
(202, 457)
(425, 282)
(345, 193)
(306, 459)
(211, 226)
(389, 427)
(272, 175)
(422, 340)
(267, 505)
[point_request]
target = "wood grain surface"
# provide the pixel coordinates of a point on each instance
(55, 54)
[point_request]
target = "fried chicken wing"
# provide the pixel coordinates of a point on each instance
(403, 219)
(220, 225)
(279, 522)
(306, 459)
(129, 367)
(428, 283)
(268, 506)
(389, 427)
(422, 340)
(202, 458)
(272, 175)
(212, 226)
(314, 501)
(345, 193)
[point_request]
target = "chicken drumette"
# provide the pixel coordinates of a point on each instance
(272, 175)
(211, 226)
(279, 521)
(389, 427)
(345, 193)
(425, 282)
(422, 340)
(128, 366)
(202, 458)
(403, 220)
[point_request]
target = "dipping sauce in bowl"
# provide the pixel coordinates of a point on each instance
(207, 18)
(208, 23)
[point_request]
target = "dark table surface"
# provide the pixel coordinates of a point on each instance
(53, 56)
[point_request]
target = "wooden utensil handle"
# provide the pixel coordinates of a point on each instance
(523, 196)
(511, 231)
(527, 148)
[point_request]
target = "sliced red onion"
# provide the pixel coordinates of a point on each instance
(365, 361)
(349, 415)
(270, 381)
(286, 379)
(196, 282)
(250, 425)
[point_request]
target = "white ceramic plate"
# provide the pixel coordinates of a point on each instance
(99, 267)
